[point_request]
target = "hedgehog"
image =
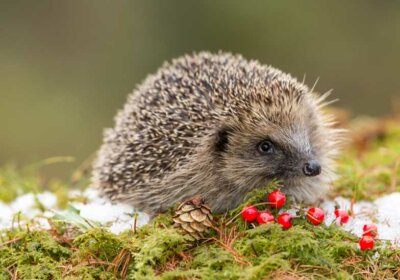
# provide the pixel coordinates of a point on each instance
(217, 126)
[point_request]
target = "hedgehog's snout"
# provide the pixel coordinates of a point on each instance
(312, 168)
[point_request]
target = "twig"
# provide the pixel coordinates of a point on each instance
(135, 218)
(15, 276)
(123, 258)
(235, 254)
(10, 241)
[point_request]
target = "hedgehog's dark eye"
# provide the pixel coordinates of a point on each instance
(265, 147)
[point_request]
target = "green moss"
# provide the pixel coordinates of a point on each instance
(33, 255)
(154, 250)
(79, 249)
(97, 243)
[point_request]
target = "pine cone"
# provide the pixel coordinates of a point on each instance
(194, 217)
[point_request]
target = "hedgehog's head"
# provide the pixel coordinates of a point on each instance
(280, 133)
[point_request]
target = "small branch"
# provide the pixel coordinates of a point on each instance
(10, 242)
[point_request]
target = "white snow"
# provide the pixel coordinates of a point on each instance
(384, 212)
(118, 217)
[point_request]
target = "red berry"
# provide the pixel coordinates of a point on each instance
(342, 216)
(277, 199)
(315, 215)
(249, 213)
(285, 219)
(366, 243)
(265, 217)
(370, 230)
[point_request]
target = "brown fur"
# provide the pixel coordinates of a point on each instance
(193, 129)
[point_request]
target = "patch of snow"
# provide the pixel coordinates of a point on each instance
(118, 217)
(6, 213)
(102, 212)
(27, 204)
(23, 203)
(42, 223)
(384, 212)
(47, 199)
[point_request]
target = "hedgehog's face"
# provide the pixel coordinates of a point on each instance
(256, 148)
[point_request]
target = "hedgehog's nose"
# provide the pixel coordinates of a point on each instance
(312, 168)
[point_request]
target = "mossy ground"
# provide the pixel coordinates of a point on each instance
(368, 169)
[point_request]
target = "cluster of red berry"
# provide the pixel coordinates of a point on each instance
(277, 199)
(370, 231)
(316, 216)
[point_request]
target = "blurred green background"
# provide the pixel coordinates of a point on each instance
(67, 66)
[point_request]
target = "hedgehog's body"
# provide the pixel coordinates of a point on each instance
(216, 126)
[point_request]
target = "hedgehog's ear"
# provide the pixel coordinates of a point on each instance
(221, 139)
